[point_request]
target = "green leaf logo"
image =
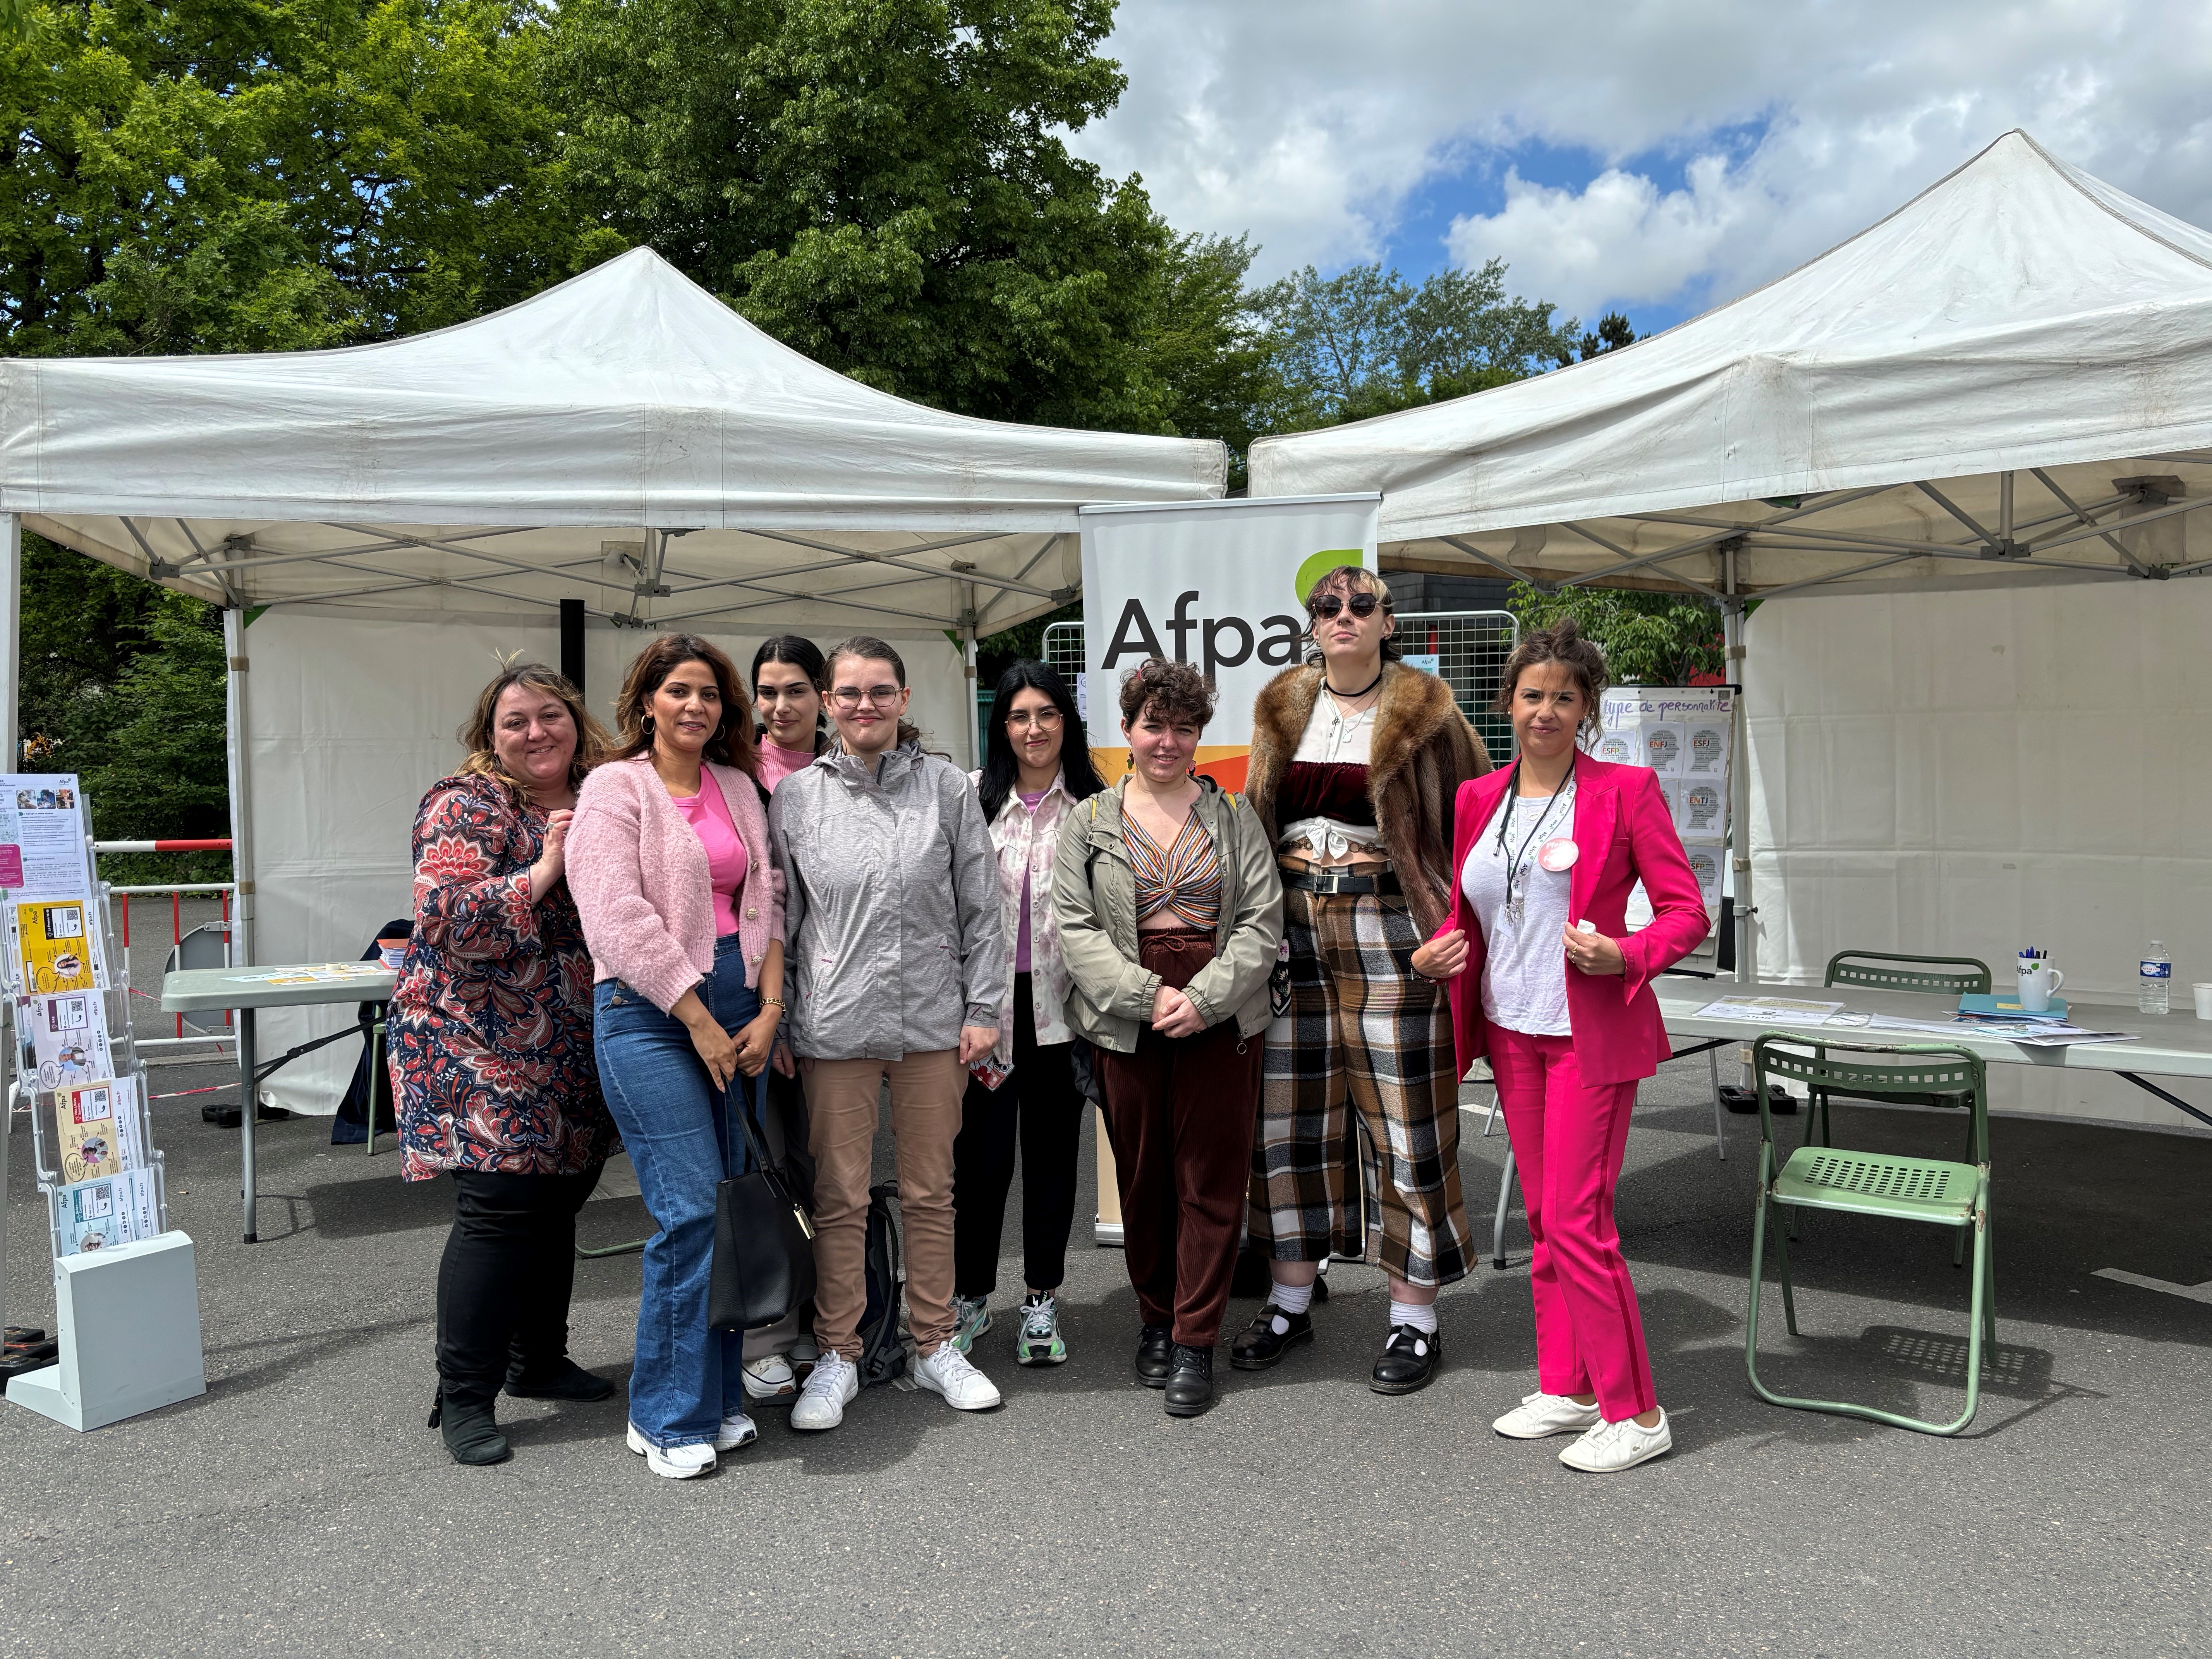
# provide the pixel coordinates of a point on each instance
(1319, 566)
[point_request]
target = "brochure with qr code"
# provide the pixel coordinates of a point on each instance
(67, 1037)
(98, 1215)
(97, 1131)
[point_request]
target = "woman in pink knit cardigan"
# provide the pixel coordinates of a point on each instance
(682, 902)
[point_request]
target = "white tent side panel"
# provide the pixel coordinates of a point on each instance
(1965, 774)
(350, 720)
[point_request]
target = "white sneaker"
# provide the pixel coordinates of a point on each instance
(1612, 1447)
(675, 1462)
(736, 1433)
(831, 1386)
(1541, 1415)
(948, 1372)
(769, 1381)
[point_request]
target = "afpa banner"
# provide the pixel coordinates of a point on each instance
(1220, 585)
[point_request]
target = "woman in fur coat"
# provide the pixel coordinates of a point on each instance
(1356, 761)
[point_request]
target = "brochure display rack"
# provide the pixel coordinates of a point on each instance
(126, 1301)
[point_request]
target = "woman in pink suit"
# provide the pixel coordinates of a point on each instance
(1548, 981)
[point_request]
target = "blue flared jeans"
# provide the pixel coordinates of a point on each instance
(676, 1127)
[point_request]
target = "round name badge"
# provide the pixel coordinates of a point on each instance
(1558, 854)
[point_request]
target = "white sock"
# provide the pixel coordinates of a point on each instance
(1421, 1315)
(1288, 1299)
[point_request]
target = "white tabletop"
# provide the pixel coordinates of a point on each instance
(266, 986)
(2169, 1045)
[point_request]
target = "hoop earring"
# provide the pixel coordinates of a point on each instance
(646, 726)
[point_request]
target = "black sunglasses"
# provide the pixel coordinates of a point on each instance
(1363, 605)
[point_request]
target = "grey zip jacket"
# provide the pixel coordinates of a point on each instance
(890, 906)
(1094, 897)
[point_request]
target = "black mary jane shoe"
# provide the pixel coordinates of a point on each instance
(1259, 1345)
(1190, 1382)
(470, 1431)
(1154, 1356)
(1410, 1360)
(565, 1380)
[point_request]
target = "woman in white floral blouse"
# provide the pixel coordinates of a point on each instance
(1036, 767)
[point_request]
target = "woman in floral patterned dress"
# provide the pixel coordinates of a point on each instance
(492, 1052)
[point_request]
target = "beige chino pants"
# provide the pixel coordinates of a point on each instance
(842, 1098)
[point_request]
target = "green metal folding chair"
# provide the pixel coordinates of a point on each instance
(1926, 1190)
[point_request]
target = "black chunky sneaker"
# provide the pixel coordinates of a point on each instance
(1410, 1360)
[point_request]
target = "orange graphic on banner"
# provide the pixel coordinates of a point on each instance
(1224, 762)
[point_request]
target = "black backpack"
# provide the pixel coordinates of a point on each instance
(883, 1347)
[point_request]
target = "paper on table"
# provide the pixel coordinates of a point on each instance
(319, 972)
(1771, 1010)
(2033, 1034)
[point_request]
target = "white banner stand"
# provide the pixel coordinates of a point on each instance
(128, 1321)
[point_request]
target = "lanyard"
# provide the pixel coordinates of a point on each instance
(1517, 860)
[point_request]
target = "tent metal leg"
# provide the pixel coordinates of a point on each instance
(11, 606)
(1504, 1198)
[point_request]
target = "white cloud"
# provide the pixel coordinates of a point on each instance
(1310, 123)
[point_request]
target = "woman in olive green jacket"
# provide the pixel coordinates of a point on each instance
(1170, 913)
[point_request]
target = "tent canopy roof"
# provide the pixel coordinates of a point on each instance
(2009, 379)
(561, 448)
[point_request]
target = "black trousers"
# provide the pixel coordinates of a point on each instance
(1038, 1105)
(504, 1282)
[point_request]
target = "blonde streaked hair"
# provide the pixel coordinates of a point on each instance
(593, 743)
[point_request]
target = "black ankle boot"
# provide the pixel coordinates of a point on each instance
(1259, 1344)
(470, 1430)
(563, 1380)
(1154, 1356)
(1190, 1382)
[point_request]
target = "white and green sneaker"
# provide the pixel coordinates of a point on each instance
(1039, 1342)
(971, 1317)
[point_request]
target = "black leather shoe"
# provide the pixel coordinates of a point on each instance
(1410, 1360)
(1154, 1356)
(470, 1431)
(1190, 1382)
(567, 1381)
(1258, 1346)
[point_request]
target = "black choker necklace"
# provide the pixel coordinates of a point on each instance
(1354, 696)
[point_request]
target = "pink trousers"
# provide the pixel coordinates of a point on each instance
(1568, 1140)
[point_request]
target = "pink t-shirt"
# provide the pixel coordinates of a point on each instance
(709, 815)
(777, 763)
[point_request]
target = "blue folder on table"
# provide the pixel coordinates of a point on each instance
(1985, 1005)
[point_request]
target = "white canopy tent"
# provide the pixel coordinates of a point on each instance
(2006, 384)
(390, 515)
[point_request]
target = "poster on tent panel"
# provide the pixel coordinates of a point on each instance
(1687, 735)
(1220, 585)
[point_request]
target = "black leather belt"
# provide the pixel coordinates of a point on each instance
(1336, 881)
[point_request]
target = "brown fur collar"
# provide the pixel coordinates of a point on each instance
(1413, 708)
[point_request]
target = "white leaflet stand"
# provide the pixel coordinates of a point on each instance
(128, 1321)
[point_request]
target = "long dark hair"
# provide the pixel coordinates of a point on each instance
(806, 656)
(1001, 769)
(730, 743)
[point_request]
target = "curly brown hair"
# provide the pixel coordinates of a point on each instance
(1561, 643)
(732, 743)
(476, 733)
(1169, 692)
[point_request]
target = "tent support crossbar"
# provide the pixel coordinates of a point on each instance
(2112, 541)
(2167, 512)
(900, 563)
(1628, 560)
(1494, 563)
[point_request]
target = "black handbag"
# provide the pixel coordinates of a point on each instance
(763, 1263)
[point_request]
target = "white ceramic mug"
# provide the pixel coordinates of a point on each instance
(2035, 989)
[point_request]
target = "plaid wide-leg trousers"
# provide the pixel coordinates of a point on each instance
(1357, 1150)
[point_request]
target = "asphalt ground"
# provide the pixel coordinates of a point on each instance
(302, 1505)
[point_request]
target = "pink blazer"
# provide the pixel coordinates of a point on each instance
(638, 875)
(1626, 833)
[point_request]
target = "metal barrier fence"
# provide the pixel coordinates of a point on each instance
(120, 897)
(1470, 648)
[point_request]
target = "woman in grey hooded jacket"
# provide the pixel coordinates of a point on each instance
(891, 908)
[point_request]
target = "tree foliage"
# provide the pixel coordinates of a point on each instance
(1649, 639)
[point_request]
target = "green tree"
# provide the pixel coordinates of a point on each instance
(149, 749)
(883, 184)
(211, 176)
(1649, 639)
(1367, 342)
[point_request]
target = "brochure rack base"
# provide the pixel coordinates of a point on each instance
(128, 1320)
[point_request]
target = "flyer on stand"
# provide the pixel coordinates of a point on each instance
(97, 1215)
(42, 835)
(96, 1129)
(55, 946)
(67, 1036)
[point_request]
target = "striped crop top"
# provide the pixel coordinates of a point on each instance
(1184, 880)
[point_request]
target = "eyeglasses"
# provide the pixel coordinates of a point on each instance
(781, 693)
(851, 696)
(1045, 720)
(1363, 605)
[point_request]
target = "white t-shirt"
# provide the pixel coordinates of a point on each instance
(1524, 975)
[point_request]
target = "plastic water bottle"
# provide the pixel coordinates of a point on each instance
(2153, 980)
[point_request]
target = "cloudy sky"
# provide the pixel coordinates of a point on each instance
(1650, 157)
